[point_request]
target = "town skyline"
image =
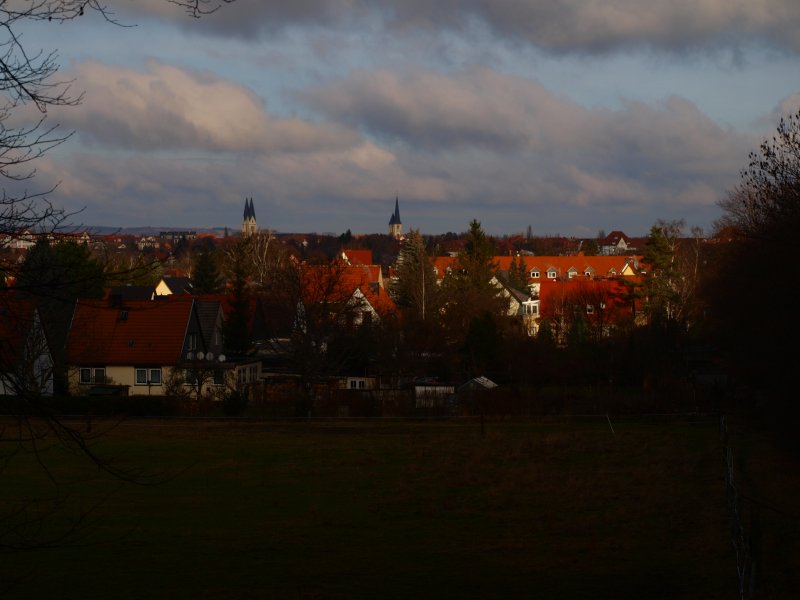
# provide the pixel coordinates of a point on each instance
(564, 118)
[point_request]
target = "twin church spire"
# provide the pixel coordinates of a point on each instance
(249, 226)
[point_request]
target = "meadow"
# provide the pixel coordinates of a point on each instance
(390, 509)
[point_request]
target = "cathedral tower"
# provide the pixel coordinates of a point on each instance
(249, 226)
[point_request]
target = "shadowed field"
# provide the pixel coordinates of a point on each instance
(383, 509)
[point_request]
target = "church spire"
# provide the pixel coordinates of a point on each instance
(395, 225)
(249, 226)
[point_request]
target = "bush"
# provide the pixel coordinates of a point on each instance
(234, 403)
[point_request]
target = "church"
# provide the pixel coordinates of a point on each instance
(249, 226)
(395, 225)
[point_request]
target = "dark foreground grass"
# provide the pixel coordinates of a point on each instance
(397, 510)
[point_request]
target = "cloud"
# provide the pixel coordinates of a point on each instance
(501, 148)
(483, 110)
(560, 26)
(167, 108)
(477, 107)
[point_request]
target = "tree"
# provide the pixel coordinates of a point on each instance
(591, 248)
(416, 290)
(266, 256)
(760, 225)
(672, 276)
(236, 332)
(29, 78)
(206, 276)
(469, 290)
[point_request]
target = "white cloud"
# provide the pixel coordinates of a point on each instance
(168, 108)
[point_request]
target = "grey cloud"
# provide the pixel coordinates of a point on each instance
(505, 140)
(478, 107)
(561, 26)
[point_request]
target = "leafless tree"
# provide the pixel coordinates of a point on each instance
(29, 87)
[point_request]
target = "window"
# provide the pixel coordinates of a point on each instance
(530, 308)
(353, 384)
(361, 384)
(145, 376)
(89, 375)
(571, 273)
(219, 378)
(551, 274)
(535, 274)
(589, 309)
(192, 341)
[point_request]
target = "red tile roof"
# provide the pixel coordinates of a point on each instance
(136, 333)
(599, 266)
(358, 257)
(16, 319)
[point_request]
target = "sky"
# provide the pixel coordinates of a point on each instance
(568, 116)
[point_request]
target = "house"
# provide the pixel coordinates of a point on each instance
(130, 292)
(26, 362)
(433, 394)
(615, 242)
(354, 295)
(353, 257)
(156, 347)
(524, 305)
(602, 304)
(174, 285)
(542, 273)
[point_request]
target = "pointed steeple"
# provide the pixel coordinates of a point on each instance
(395, 225)
(249, 226)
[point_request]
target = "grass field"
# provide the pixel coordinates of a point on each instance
(382, 510)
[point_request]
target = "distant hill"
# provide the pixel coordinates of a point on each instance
(102, 230)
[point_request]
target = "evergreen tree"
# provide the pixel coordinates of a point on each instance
(662, 285)
(416, 290)
(62, 272)
(518, 274)
(206, 276)
(469, 291)
(236, 329)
